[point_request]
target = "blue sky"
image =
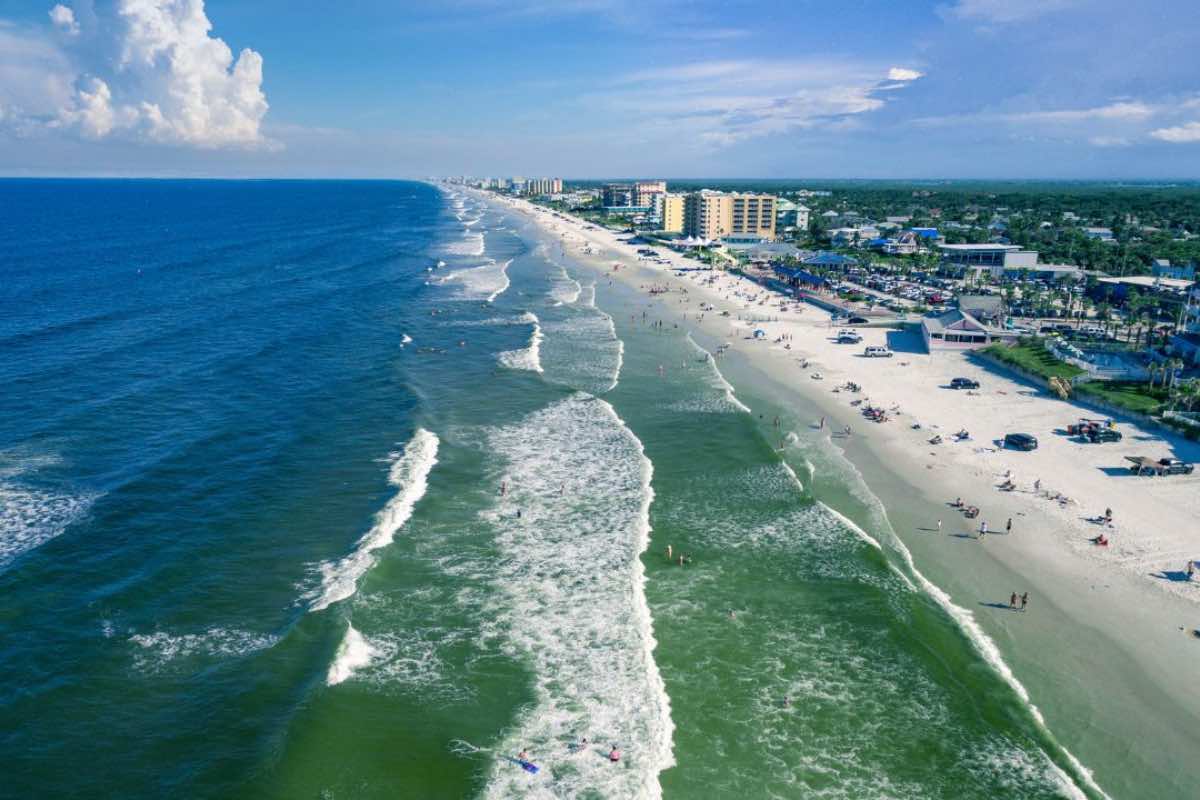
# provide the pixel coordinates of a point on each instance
(598, 88)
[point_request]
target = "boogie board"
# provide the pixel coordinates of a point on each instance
(528, 766)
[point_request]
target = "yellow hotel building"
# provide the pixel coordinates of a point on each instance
(711, 215)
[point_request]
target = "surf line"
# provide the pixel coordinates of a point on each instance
(410, 474)
(530, 357)
(730, 397)
(982, 643)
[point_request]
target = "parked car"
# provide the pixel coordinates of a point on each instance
(848, 337)
(1100, 435)
(1085, 426)
(857, 321)
(964, 383)
(1020, 441)
(1173, 466)
(876, 351)
(1163, 466)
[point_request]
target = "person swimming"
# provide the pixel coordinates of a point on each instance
(614, 755)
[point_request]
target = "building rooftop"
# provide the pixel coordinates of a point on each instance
(1151, 282)
(982, 246)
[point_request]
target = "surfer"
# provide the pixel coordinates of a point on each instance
(1024, 600)
(503, 488)
(1012, 601)
(668, 552)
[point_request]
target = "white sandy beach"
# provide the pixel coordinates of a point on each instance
(1120, 612)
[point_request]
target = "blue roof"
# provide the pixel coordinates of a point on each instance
(802, 275)
(826, 259)
(925, 233)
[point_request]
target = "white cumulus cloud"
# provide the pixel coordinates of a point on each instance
(148, 70)
(903, 74)
(63, 18)
(1179, 134)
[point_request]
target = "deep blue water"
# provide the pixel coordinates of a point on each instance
(199, 379)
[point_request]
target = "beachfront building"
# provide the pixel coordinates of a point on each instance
(1117, 290)
(1100, 234)
(617, 195)
(956, 330)
(542, 186)
(712, 215)
(648, 193)
(976, 322)
(791, 215)
(980, 260)
(672, 213)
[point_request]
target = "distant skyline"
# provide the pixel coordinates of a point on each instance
(1051, 89)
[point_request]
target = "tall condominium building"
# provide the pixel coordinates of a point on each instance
(618, 195)
(645, 193)
(712, 215)
(672, 213)
(536, 186)
(640, 194)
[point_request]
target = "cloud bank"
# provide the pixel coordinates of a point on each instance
(148, 70)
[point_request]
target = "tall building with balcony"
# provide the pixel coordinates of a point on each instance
(712, 215)
(672, 213)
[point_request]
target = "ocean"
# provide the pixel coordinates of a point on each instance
(362, 489)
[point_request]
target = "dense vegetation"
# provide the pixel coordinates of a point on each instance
(1148, 221)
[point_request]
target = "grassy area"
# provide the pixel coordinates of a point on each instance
(1136, 397)
(1030, 355)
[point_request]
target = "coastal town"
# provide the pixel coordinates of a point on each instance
(1053, 396)
(1104, 302)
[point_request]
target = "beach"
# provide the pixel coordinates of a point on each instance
(1106, 650)
(398, 490)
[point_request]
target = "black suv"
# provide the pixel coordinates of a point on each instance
(964, 383)
(1100, 435)
(1020, 441)
(1173, 466)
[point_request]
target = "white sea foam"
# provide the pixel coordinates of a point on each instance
(718, 379)
(31, 516)
(565, 289)
(158, 649)
(527, 357)
(524, 318)
(471, 244)
(588, 295)
(582, 350)
(487, 281)
(410, 475)
(570, 602)
(353, 653)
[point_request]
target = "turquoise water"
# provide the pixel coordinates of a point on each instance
(358, 489)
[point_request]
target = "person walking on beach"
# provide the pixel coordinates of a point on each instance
(1008, 526)
(1024, 600)
(1012, 601)
(983, 529)
(939, 526)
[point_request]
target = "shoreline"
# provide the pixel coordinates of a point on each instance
(1092, 612)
